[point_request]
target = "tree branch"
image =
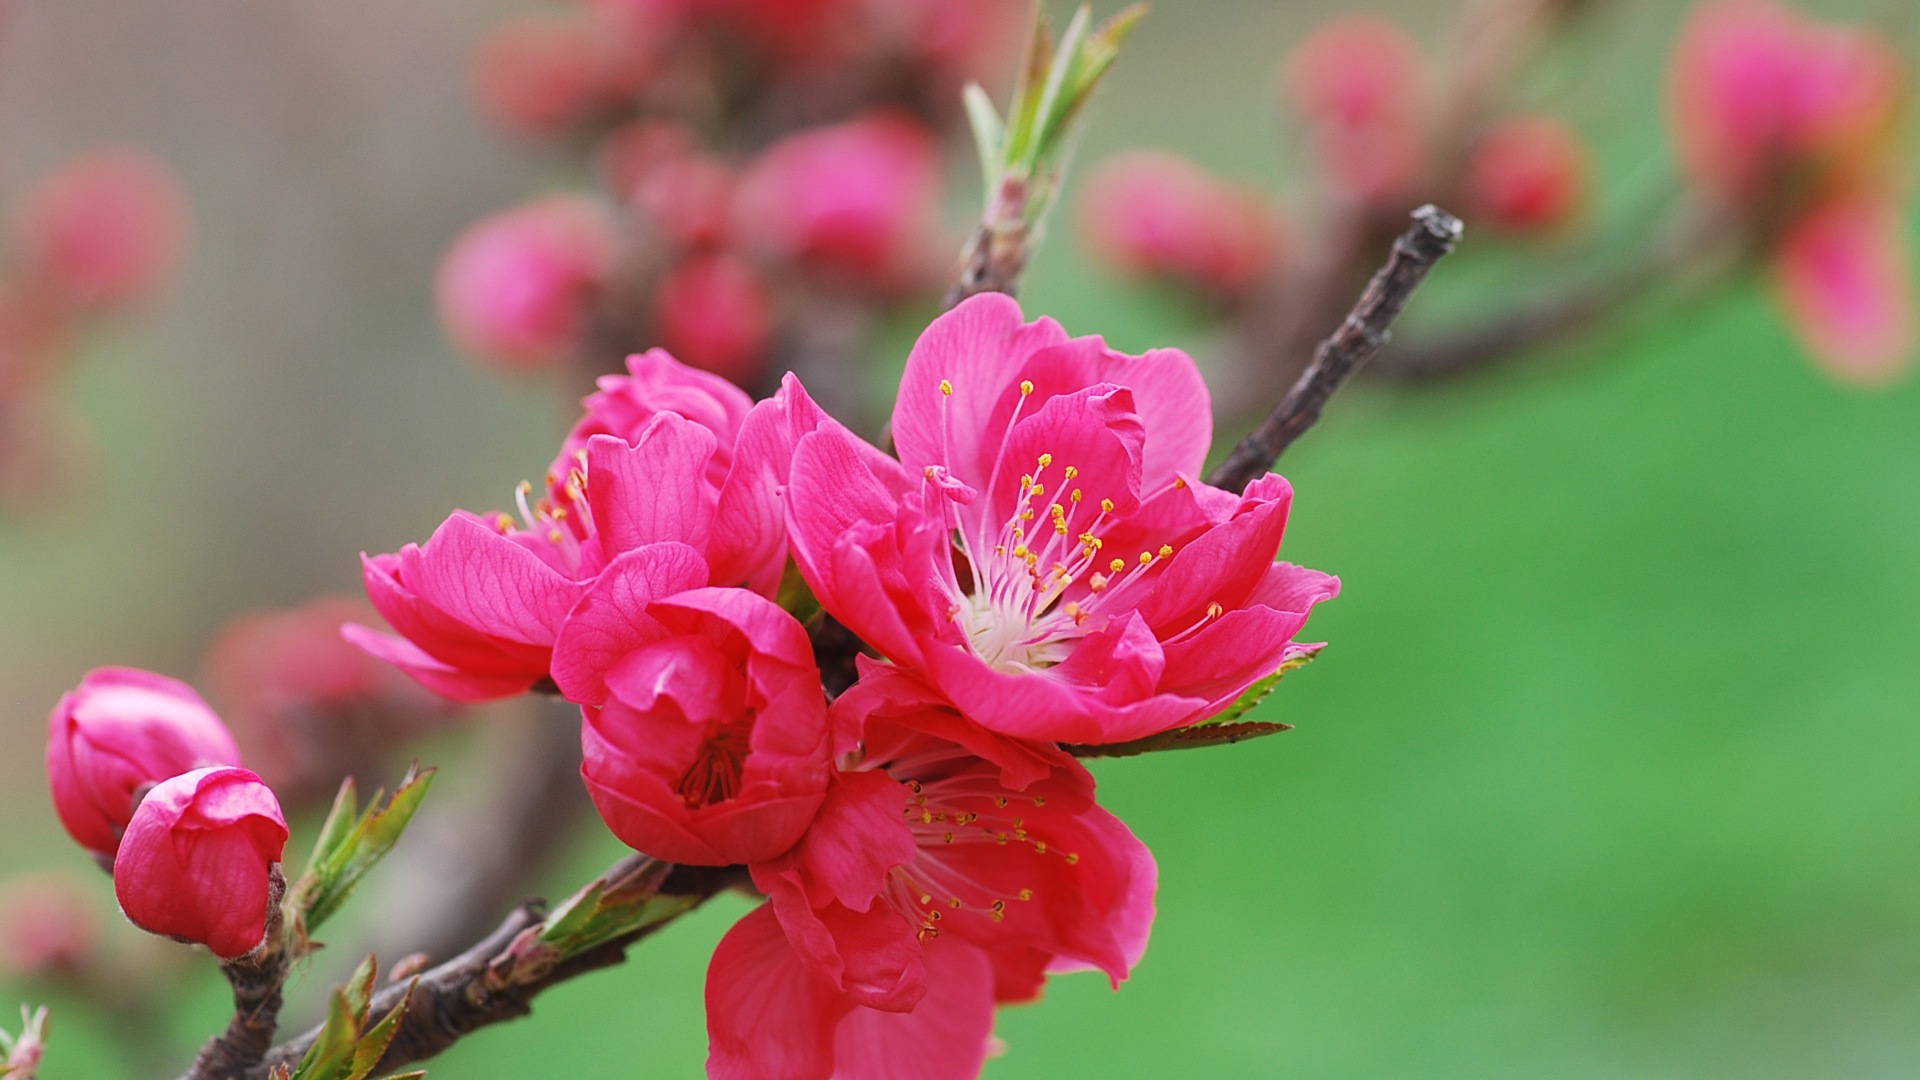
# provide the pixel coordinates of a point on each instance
(1431, 237)
(490, 983)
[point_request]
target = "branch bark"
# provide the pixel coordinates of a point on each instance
(1367, 327)
(480, 987)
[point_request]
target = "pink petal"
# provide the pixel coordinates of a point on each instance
(945, 1037)
(449, 682)
(654, 490)
(482, 579)
(611, 619)
(768, 1016)
(977, 349)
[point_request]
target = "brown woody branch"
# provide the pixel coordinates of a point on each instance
(483, 986)
(1431, 237)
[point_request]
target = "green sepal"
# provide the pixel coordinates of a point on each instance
(351, 844)
(619, 903)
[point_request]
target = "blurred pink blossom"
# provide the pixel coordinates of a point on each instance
(1153, 213)
(1528, 174)
(105, 229)
(1845, 277)
(514, 288)
(47, 926)
(715, 314)
(1357, 83)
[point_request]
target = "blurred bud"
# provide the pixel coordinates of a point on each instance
(538, 74)
(1528, 175)
(198, 859)
(47, 926)
(119, 732)
(686, 195)
(310, 708)
(1844, 277)
(1771, 106)
(515, 287)
(105, 229)
(859, 198)
(977, 41)
(714, 313)
(1356, 83)
(1157, 214)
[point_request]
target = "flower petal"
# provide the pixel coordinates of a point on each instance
(768, 1016)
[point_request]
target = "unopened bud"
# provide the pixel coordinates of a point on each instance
(198, 860)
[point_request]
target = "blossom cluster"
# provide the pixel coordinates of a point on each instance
(1786, 129)
(1792, 127)
(751, 157)
(94, 237)
(1038, 563)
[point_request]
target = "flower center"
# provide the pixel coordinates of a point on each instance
(716, 771)
(562, 520)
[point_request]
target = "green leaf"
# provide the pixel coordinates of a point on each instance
(989, 134)
(346, 1048)
(352, 846)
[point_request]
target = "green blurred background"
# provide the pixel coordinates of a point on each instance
(1609, 771)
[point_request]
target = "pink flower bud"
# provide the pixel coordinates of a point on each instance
(713, 314)
(197, 859)
(1769, 103)
(1844, 275)
(105, 229)
(538, 75)
(47, 926)
(859, 198)
(1528, 174)
(118, 733)
(515, 287)
(1152, 213)
(1357, 84)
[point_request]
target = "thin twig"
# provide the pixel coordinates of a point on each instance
(468, 993)
(1432, 236)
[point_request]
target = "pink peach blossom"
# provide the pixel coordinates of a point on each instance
(1045, 554)
(537, 74)
(705, 727)
(118, 733)
(927, 891)
(1358, 84)
(1846, 280)
(196, 861)
(860, 198)
(514, 289)
(1528, 174)
(106, 228)
(1769, 104)
(1152, 213)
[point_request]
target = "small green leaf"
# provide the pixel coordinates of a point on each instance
(373, 1045)
(337, 870)
(332, 1052)
(989, 133)
(1258, 692)
(339, 821)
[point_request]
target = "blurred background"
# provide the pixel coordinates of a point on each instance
(1609, 769)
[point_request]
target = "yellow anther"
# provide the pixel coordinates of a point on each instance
(1180, 482)
(1146, 557)
(1073, 610)
(926, 817)
(1026, 387)
(1026, 894)
(1061, 528)
(1073, 471)
(925, 899)
(1040, 847)
(503, 523)
(1166, 551)
(1072, 857)
(1046, 460)
(1000, 549)
(946, 387)
(954, 903)
(1075, 496)
(1117, 565)
(1106, 506)
(1039, 490)
(1097, 582)
(1214, 610)
(999, 800)
(553, 535)
(948, 837)
(1059, 511)
(1025, 482)
(1039, 800)
(1020, 552)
